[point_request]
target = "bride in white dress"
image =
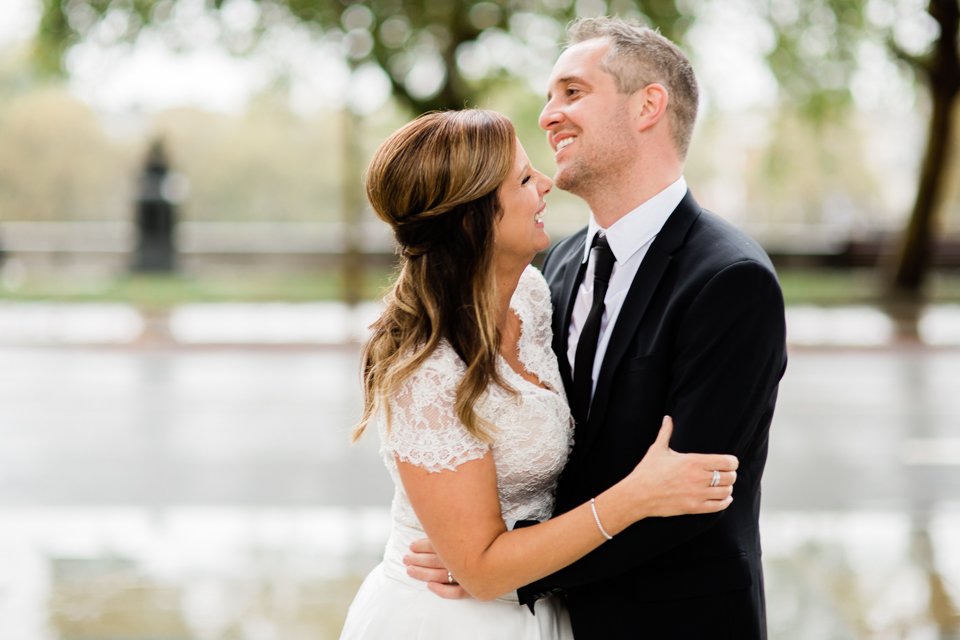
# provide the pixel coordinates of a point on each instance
(464, 389)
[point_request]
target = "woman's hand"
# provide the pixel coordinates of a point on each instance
(667, 483)
(424, 564)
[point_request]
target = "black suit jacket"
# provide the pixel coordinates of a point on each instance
(701, 337)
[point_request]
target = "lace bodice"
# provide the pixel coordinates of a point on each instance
(534, 429)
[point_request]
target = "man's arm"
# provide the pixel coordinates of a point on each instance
(729, 359)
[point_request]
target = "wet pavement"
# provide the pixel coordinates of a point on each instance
(190, 489)
(855, 429)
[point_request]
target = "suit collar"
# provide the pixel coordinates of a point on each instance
(638, 227)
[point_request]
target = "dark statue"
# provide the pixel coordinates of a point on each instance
(156, 217)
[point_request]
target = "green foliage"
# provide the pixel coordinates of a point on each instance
(421, 45)
(815, 51)
(800, 286)
(825, 287)
(165, 291)
(841, 190)
(47, 142)
(266, 164)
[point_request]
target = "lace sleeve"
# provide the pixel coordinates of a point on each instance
(534, 295)
(532, 301)
(424, 429)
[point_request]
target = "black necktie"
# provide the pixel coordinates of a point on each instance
(602, 258)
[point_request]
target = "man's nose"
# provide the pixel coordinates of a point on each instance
(550, 116)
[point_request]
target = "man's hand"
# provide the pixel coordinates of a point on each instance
(425, 565)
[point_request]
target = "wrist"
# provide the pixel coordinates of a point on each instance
(596, 519)
(616, 510)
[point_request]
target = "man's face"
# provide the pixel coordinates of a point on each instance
(587, 120)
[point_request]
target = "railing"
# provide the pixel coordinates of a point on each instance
(794, 245)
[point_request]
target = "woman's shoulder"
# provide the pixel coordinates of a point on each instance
(531, 300)
(533, 286)
(443, 356)
(441, 367)
(533, 277)
(424, 428)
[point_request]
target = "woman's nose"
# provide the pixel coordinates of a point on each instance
(546, 185)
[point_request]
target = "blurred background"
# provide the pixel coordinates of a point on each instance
(188, 268)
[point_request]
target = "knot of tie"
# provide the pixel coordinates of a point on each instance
(603, 260)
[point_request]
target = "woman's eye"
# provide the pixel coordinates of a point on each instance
(525, 180)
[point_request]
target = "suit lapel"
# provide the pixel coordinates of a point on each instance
(635, 306)
(568, 285)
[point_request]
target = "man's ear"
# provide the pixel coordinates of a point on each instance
(649, 105)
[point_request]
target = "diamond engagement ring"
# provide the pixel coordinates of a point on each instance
(715, 480)
(449, 578)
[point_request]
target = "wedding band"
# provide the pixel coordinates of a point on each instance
(449, 578)
(715, 480)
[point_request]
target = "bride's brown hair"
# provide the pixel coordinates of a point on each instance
(435, 182)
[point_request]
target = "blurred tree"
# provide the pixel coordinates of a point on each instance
(429, 52)
(940, 71)
(842, 194)
(421, 45)
(47, 141)
(815, 57)
(261, 165)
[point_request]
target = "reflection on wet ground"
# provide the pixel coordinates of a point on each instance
(211, 493)
(333, 323)
(290, 573)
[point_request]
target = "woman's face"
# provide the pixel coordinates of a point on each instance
(519, 234)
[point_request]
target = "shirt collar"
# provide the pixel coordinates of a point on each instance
(628, 234)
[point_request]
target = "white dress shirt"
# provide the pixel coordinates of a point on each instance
(629, 237)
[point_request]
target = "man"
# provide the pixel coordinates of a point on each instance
(690, 324)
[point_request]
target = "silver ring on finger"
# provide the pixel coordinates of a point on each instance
(449, 578)
(715, 480)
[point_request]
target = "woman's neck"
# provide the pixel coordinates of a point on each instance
(507, 278)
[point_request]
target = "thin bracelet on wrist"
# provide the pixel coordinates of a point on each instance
(596, 518)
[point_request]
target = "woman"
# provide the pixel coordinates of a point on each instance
(462, 384)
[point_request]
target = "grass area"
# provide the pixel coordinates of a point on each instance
(857, 286)
(819, 287)
(162, 291)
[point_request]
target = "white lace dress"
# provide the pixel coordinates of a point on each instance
(533, 438)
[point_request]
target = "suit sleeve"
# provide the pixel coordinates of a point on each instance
(729, 357)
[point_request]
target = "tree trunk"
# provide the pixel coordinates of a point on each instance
(943, 75)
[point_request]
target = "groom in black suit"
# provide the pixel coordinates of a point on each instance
(660, 308)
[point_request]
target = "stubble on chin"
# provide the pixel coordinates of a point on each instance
(572, 178)
(568, 178)
(562, 180)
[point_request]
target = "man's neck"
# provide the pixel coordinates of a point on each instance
(610, 205)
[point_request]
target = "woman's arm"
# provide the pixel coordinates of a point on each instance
(460, 512)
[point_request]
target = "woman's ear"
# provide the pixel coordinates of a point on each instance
(649, 104)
